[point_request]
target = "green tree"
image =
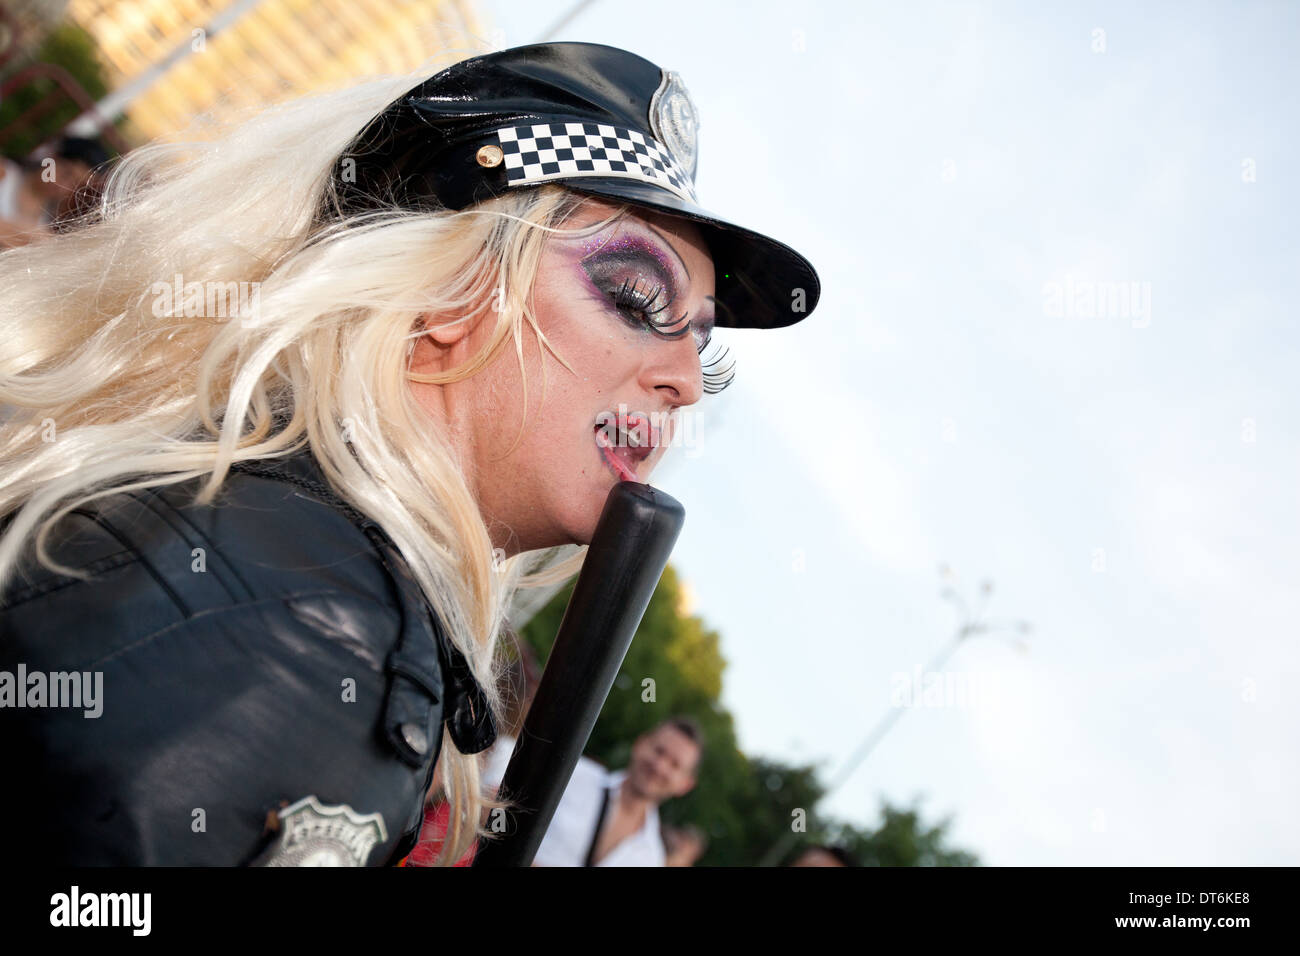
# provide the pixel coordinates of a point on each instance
(745, 804)
(67, 46)
(902, 840)
(766, 801)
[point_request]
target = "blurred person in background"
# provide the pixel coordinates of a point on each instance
(612, 818)
(37, 196)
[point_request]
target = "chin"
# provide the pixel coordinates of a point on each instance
(579, 515)
(583, 536)
(579, 526)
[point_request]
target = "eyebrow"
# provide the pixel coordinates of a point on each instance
(713, 318)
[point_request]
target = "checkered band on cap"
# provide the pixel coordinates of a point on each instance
(546, 151)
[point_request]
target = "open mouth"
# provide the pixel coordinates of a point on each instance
(625, 444)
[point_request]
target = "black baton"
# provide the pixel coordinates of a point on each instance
(627, 556)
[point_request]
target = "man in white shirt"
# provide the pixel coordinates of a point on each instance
(612, 818)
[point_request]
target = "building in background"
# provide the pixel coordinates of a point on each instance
(170, 61)
(24, 23)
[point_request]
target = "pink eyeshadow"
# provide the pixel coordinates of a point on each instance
(629, 242)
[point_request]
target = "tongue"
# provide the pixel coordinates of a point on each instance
(620, 454)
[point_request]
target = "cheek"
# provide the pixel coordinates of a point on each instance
(596, 342)
(558, 443)
(604, 357)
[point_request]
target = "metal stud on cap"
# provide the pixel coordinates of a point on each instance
(490, 156)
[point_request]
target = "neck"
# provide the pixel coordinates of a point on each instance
(444, 405)
(631, 800)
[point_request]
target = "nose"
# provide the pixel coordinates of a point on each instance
(674, 373)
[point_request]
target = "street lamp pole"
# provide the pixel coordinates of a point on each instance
(968, 626)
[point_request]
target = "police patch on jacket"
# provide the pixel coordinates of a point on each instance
(313, 834)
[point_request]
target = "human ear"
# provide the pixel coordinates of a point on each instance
(446, 330)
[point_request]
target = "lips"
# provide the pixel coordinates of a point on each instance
(635, 440)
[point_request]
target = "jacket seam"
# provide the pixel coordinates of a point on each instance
(155, 503)
(103, 522)
(281, 601)
(31, 592)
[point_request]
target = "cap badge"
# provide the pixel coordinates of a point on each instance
(313, 834)
(675, 122)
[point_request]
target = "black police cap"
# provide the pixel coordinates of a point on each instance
(595, 119)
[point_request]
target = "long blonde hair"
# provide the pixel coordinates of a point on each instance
(129, 384)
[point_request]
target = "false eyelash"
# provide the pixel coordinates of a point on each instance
(628, 298)
(718, 372)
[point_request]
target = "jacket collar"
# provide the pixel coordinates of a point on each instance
(466, 712)
(302, 469)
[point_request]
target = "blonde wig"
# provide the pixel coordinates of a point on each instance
(110, 382)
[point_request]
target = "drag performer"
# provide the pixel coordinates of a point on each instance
(285, 425)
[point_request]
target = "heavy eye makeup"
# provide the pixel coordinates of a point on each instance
(632, 277)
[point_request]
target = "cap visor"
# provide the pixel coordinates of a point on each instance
(761, 283)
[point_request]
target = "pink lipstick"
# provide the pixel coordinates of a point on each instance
(626, 447)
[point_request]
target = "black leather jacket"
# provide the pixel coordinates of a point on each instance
(273, 685)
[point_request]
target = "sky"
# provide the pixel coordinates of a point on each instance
(1058, 248)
